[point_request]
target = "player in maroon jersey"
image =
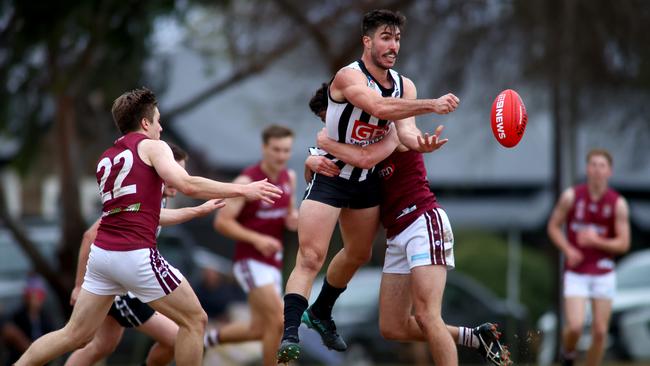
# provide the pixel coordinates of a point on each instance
(127, 311)
(597, 229)
(419, 246)
(258, 229)
(124, 257)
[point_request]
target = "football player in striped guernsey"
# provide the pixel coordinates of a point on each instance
(365, 100)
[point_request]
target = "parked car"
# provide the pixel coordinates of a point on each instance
(465, 302)
(629, 333)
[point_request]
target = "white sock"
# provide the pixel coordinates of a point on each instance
(211, 338)
(466, 338)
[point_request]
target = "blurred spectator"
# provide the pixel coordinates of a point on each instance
(28, 322)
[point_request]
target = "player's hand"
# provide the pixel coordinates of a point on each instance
(262, 190)
(74, 295)
(427, 144)
(291, 221)
(322, 165)
(445, 104)
(268, 245)
(209, 206)
(573, 257)
(587, 237)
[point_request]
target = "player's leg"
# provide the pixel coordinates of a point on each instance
(262, 282)
(396, 321)
(427, 287)
(576, 292)
(603, 291)
(601, 314)
(358, 229)
(87, 316)
(106, 338)
(183, 307)
(316, 222)
(164, 331)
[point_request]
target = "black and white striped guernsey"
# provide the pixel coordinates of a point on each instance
(349, 124)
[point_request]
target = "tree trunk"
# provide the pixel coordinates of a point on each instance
(73, 224)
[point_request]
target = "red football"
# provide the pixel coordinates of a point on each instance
(509, 118)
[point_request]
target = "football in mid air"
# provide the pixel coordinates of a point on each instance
(508, 118)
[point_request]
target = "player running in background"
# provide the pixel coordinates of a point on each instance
(124, 256)
(365, 98)
(597, 228)
(258, 230)
(127, 311)
(419, 247)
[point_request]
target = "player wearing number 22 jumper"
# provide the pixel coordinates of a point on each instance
(124, 257)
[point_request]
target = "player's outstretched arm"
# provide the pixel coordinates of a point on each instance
(291, 221)
(351, 85)
(175, 216)
(159, 155)
(364, 157)
(408, 132)
(225, 222)
(84, 252)
(617, 245)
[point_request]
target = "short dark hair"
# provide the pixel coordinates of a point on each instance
(600, 152)
(179, 154)
(379, 17)
(275, 132)
(131, 107)
(318, 103)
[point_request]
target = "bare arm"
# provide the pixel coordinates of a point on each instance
(84, 252)
(291, 221)
(159, 155)
(619, 244)
(408, 132)
(225, 222)
(555, 225)
(174, 216)
(364, 157)
(351, 85)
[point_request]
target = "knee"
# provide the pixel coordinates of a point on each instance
(598, 334)
(574, 329)
(391, 333)
(426, 320)
(196, 321)
(310, 260)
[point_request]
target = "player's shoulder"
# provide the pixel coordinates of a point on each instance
(568, 196)
(349, 74)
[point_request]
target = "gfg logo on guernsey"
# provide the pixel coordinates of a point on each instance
(364, 133)
(499, 115)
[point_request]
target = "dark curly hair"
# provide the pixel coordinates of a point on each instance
(318, 103)
(380, 17)
(131, 107)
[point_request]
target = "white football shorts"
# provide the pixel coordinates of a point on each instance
(429, 240)
(143, 272)
(251, 273)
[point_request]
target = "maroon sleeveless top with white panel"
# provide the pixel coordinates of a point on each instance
(600, 215)
(264, 218)
(131, 192)
(405, 192)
